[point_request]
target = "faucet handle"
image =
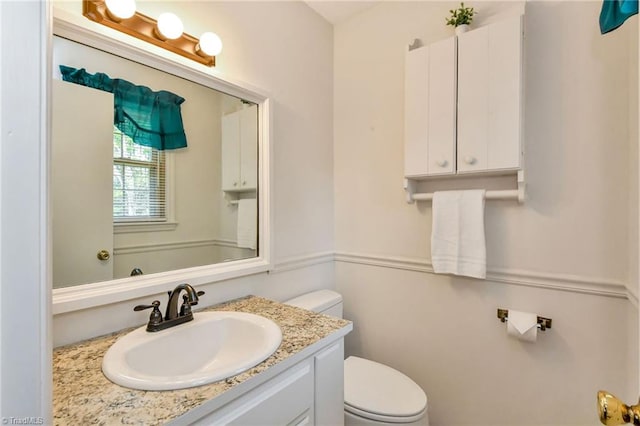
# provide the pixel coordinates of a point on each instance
(155, 305)
(185, 309)
(156, 316)
(198, 294)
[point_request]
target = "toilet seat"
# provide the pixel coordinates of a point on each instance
(384, 419)
(378, 392)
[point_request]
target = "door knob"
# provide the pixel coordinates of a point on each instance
(104, 255)
(614, 412)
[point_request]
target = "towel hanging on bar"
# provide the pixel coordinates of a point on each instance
(457, 235)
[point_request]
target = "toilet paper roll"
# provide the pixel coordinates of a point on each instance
(522, 326)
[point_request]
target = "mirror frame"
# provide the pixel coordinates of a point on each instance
(85, 296)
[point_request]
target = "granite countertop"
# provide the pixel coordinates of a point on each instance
(82, 395)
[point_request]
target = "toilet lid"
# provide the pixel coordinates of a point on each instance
(375, 390)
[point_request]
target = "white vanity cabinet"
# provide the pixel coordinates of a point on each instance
(463, 103)
(284, 400)
(240, 150)
(311, 392)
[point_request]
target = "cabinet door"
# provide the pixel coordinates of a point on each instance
(489, 97)
(249, 147)
(329, 386)
(441, 126)
(430, 109)
(231, 152)
(286, 399)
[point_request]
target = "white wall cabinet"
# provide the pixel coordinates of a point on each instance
(463, 103)
(430, 109)
(240, 150)
(489, 97)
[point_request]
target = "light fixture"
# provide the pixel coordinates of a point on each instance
(209, 44)
(169, 26)
(166, 32)
(121, 9)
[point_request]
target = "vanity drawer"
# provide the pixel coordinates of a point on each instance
(287, 399)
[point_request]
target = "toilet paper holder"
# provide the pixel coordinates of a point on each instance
(543, 323)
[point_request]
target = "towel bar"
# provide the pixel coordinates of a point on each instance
(507, 194)
(511, 194)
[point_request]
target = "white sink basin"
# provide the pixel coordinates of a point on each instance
(212, 347)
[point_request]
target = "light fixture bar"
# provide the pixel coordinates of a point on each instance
(144, 28)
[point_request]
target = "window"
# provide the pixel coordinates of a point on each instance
(139, 193)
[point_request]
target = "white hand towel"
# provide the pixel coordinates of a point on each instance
(247, 223)
(457, 235)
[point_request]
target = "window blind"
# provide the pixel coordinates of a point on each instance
(139, 177)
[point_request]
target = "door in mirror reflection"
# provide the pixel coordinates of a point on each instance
(150, 210)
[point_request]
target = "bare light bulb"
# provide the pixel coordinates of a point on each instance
(209, 44)
(121, 9)
(170, 26)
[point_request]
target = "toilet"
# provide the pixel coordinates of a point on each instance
(374, 394)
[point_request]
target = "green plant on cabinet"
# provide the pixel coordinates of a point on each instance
(461, 16)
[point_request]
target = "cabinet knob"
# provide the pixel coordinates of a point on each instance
(442, 162)
(469, 159)
(235, 183)
(244, 182)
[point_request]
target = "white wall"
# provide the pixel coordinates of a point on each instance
(260, 49)
(286, 49)
(25, 338)
(296, 71)
(443, 332)
(566, 253)
(633, 37)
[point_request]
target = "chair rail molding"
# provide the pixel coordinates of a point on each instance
(304, 261)
(551, 281)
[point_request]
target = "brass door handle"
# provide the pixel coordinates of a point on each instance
(104, 255)
(614, 412)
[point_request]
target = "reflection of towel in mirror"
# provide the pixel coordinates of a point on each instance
(457, 235)
(247, 223)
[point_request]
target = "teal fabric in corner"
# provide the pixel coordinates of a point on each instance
(149, 118)
(615, 12)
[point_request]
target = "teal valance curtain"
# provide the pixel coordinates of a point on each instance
(149, 118)
(615, 12)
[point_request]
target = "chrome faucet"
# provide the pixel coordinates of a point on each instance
(173, 315)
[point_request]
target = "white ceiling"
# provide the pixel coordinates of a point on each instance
(336, 11)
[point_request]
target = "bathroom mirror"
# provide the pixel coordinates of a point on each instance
(126, 216)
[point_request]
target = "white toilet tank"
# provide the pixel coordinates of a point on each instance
(326, 302)
(375, 394)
